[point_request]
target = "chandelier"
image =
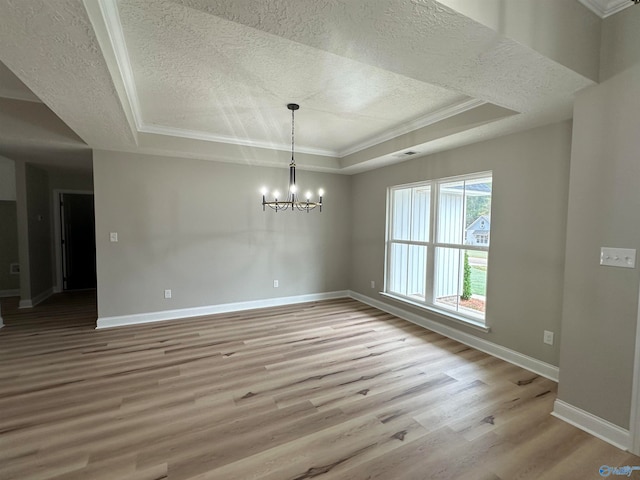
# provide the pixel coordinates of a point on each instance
(292, 200)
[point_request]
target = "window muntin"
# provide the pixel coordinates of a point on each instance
(438, 241)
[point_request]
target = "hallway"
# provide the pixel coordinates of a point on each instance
(60, 311)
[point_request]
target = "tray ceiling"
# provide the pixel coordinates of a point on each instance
(209, 79)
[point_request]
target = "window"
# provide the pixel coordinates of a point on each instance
(482, 239)
(438, 244)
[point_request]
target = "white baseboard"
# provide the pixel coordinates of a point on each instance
(32, 302)
(586, 421)
(596, 426)
(534, 365)
(10, 293)
(121, 320)
(541, 368)
(25, 304)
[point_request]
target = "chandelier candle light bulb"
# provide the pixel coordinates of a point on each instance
(292, 197)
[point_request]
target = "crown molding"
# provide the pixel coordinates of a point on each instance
(109, 10)
(245, 142)
(111, 16)
(606, 8)
(428, 119)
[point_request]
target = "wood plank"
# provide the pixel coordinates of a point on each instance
(333, 389)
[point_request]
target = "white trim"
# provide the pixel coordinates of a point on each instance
(606, 8)
(428, 119)
(138, 318)
(245, 142)
(634, 420)
(32, 302)
(421, 122)
(532, 364)
(428, 303)
(113, 26)
(451, 315)
(596, 426)
(25, 304)
(10, 293)
(109, 10)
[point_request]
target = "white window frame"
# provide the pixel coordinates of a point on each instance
(475, 320)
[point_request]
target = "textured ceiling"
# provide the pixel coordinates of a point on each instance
(30, 131)
(232, 82)
(211, 79)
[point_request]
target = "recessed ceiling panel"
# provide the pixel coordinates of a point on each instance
(200, 75)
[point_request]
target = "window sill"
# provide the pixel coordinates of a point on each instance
(468, 322)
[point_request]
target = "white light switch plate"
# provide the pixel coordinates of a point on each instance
(618, 257)
(113, 236)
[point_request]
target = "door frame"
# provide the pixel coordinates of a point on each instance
(57, 232)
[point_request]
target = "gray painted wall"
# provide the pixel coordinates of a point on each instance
(562, 30)
(34, 187)
(70, 179)
(23, 230)
(530, 190)
(601, 303)
(619, 49)
(8, 245)
(39, 229)
(197, 227)
(7, 179)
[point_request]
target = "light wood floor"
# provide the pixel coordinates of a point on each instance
(329, 390)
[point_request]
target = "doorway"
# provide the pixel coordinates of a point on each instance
(77, 241)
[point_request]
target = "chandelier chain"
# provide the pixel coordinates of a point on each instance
(292, 134)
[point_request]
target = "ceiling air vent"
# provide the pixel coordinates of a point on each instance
(408, 153)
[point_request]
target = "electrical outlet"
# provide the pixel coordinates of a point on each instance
(548, 337)
(373, 284)
(275, 284)
(113, 236)
(167, 294)
(618, 257)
